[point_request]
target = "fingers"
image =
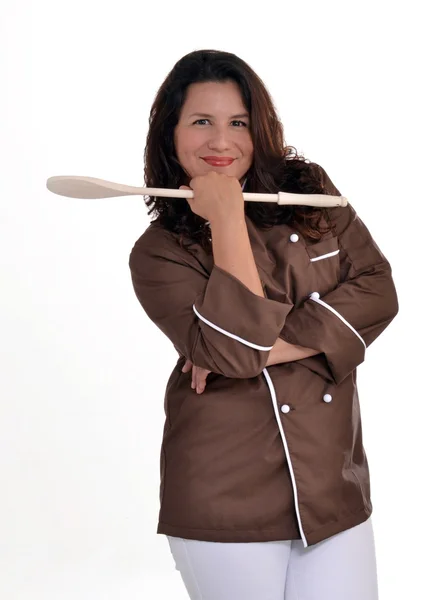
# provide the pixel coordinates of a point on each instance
(199, 377)
(186, 366)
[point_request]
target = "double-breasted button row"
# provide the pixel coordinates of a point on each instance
(285, 408)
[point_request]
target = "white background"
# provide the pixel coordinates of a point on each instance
(83, 369)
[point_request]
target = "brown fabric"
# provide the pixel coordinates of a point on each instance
(225, 474)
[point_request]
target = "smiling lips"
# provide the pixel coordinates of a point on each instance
(217, 161)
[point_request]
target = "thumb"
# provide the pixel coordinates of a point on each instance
(187, 366)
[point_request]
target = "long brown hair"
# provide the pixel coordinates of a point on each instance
(276, 166)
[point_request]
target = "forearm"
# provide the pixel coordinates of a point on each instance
(232, 251)
(284, 352)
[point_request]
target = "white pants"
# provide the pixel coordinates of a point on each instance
(342, 567)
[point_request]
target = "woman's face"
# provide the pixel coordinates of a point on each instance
(224, 133)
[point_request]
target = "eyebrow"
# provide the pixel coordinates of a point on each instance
(212, 116)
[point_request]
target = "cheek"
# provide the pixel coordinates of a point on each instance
(191, 142)
(249, 146)
(250, 152)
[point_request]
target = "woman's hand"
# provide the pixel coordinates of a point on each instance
(216, 196)
(199, 376)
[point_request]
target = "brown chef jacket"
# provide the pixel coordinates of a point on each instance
(266, 453)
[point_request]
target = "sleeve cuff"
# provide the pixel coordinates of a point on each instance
(231, 308)
(317, 325)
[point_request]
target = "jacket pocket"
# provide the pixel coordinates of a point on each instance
(324, 265)
(325, 250)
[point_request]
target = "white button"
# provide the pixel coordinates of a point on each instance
(327, 398)
(294, 237)
(315, 295)
(285, 408)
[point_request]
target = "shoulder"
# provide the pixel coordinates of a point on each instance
(155, 243)
(156, 237)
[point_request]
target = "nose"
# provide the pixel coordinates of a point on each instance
(219, 140)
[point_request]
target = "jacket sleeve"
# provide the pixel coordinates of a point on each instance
(346, 320)
(212, 319)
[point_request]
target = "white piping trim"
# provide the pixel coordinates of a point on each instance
(331, 309)
(325, 255)
(232, 335)
(287, 453)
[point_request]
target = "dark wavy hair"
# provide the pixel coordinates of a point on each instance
(275, 167)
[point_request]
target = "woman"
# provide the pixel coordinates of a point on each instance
(265, 490)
